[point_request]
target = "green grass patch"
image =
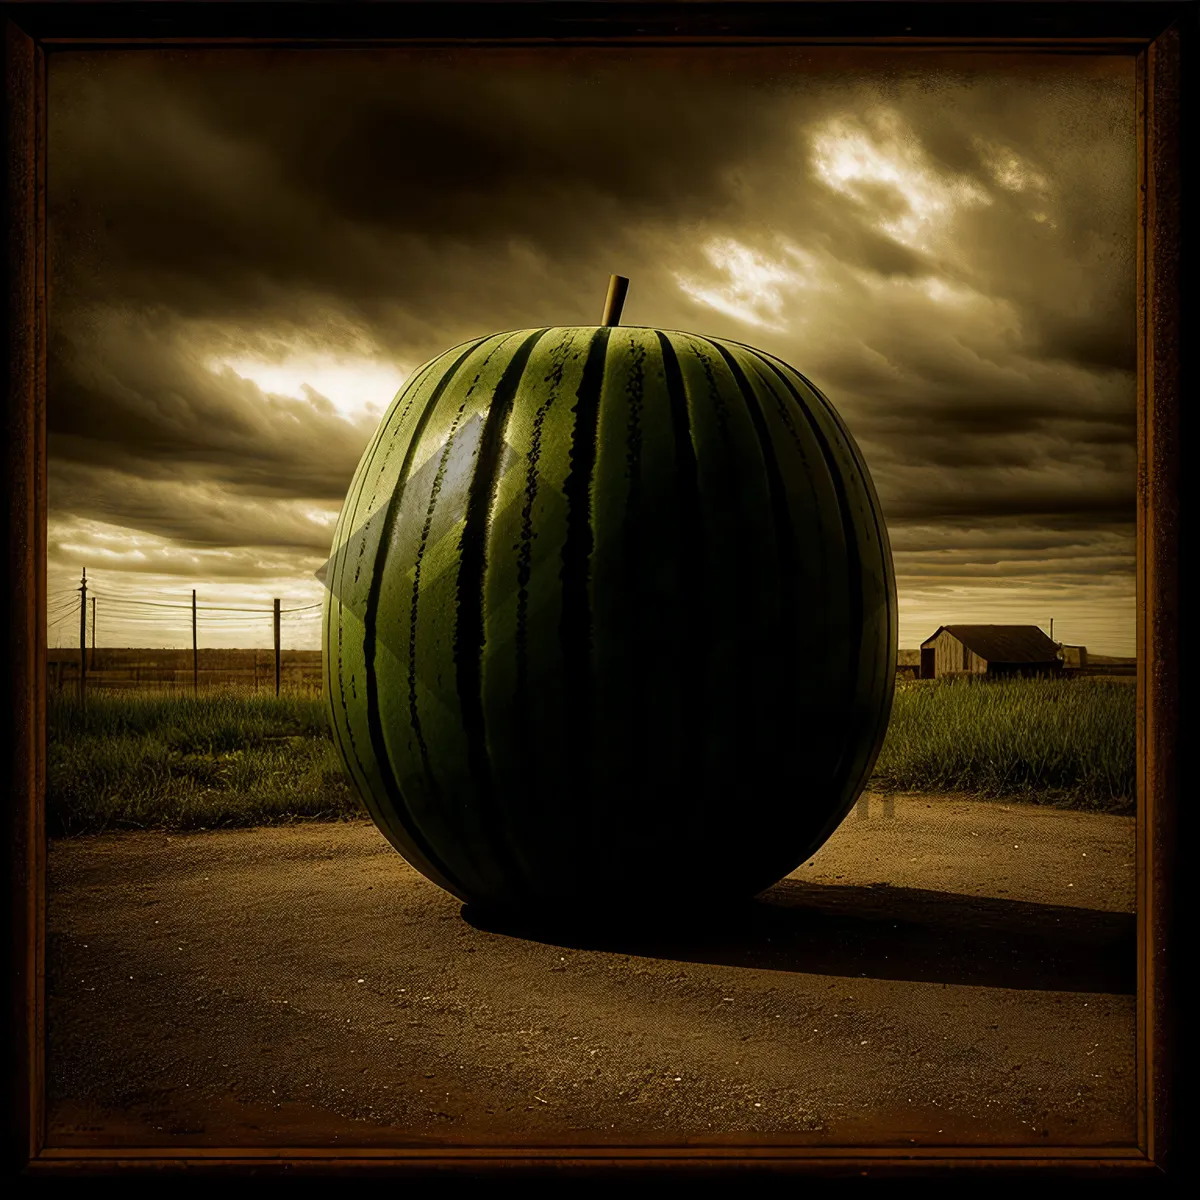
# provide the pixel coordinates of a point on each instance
(142, 761)
(1070, 742)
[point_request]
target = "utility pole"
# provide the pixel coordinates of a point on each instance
(83, 642)
(195, 654)
(276, 645)
(1052, 629)
(93, 663)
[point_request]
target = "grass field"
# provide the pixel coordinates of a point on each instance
(142, 761)
(1061, 741)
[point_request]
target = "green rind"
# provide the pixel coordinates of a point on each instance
(620, 660)
(419, 708)
(811, 679)
(356, 542)
(742, 580)
(523, 689)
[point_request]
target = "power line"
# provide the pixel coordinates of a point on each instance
(211, 608)
(178, 607)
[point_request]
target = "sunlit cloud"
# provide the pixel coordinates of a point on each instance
(1010, 169)
(945, 293)
(879, 163)
(354, 386)
(755, 288)
(75, 542)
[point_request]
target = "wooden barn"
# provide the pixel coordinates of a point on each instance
(989, 650)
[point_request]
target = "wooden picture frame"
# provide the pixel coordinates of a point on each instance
(1160, 35)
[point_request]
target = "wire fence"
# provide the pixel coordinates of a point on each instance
(76, 662)
(79, 664)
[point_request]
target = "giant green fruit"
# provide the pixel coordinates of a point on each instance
(610, 620)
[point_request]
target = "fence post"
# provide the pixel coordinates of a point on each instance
(276, 645)
(83, 642)
(195, 654)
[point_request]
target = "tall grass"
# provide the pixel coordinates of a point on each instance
(139, 761)
(1065, 741)
(142, 761)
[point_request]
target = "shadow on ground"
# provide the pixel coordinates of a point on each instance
(878, 932)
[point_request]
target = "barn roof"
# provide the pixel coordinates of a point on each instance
(1003, 643)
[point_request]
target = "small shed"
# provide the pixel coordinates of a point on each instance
(989, 650)
(1074, 658)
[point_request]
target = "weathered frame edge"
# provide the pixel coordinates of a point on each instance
(1160, 281)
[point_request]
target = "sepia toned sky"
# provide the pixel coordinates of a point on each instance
(249, 254)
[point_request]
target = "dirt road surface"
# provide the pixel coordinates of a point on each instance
(956, 971)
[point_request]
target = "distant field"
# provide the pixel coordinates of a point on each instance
(143, 760)
(170, 671)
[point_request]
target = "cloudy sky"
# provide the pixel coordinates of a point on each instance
(250, 253)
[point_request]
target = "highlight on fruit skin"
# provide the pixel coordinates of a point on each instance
(610, 620)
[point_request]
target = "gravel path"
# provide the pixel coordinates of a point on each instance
(944, 970)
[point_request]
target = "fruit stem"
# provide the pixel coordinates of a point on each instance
(618, 285)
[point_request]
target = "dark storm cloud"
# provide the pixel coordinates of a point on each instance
(1062, 146)
(1078, 545)
(418, 193)
(131, 396)
(196, 514)
(983, 492)
(239, 565)
(247, 192)
(394, 207)
(1104, 340)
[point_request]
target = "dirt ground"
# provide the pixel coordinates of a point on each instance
(944, 970)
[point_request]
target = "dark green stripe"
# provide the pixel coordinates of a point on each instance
(399, 425)
(638, 710)
(693, 608)
(853, 745)
(350, 754)
(461, 840)
(414, 386)
(785, 538)
(414, 712)
(468, 626)
(881, 534)
(881, 541)
(575, 625)
(781, 368)
(853, 551)
(527, 534)
(738, 503)
(374, 722)
(524, 704)
(848, 520)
